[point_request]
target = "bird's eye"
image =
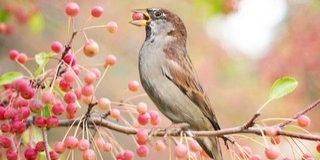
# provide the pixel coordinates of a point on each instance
(157, 14)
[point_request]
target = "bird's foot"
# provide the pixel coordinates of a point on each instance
(226, 139)
(174, 129)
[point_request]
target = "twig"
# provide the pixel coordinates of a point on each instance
(45, 141)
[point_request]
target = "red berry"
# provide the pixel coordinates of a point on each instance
(71, 108)
(275, 139)
(303, 121)
(112, 27)
(22, 58)
(19, 127)
(40, 121)
(137, 16)
(90, 77)
(180, 150)
(23, 112)
(47, 97)
(318, 147)
(5, 142)
(96, 11)
(128, 155)
(57, 108)
(91, 48)
(65, 85)
(87, 90)
(142, 151)
(83, 144)
(54, 155)
(142, 135)
(40, 146)
(30, 154)
(52, 122)
(5, 127)
(56, 47)
(70, 59)
(70, 76)
(96, 71)
(27, 93)
(35, 106)
(72, 9)
(13, 54)
(11, 155)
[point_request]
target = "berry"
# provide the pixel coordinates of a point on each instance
(128, 155)
(96, 11)
(72, 9)
(27, 93)
(115, 113)
(271, 152)
(142, 151)
(142, 135)
(112, 27)
(71, 108)
(83, 144)
(110, 60)
(19, 127)
(256, 157)
(143, 118)
(246, 152)
(271, 131)
(5, 127)
(56, 47)
(35, 106)
(180, 150)
(70, 97)
(30, 154)
(40, 122)
(57, 108)
(11, 155)
(40, 146)
(52, 122)
(318, 147)
(69, 76)
(59, 147)
(22, 58)
(89, 154)
(87, 90)
(133, 86)
(142, 107)
(303, 121)
(47, 97)
(54, 155)
(275, 139)
(91, 48)
(65, 85)
(104, 103)
(90, 77)
(137, 16)
(160, 145)
(70, 59)
(71, 142)
(13, 54)
(23, 112)
(107, 147)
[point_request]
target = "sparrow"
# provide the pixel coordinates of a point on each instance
(169, 78)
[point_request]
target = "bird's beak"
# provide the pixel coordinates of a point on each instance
(141, 22)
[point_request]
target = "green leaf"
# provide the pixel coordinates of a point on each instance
(32, 134)
(42, 59)
(9, 77)
(282, 87)
(36, 23)
(4, 15)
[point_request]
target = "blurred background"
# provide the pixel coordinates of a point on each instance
(238, 47)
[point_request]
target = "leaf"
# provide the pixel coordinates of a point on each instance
(9, 77)
(282, 87)
(42, 59)
(36, 23)
(31, 134)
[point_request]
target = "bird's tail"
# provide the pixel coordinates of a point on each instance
(211, 146)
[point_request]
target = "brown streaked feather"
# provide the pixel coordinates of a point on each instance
(182, 74)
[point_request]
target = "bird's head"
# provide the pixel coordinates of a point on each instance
(160, 22)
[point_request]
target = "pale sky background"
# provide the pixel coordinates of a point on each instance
(251, 29)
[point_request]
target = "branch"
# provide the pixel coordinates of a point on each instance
(226, 131)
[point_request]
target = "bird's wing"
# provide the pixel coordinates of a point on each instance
(180, 71)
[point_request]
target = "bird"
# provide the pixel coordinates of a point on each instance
(169, 78)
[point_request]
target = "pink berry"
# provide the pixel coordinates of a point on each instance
(30, 154)
(104, 103)
(35, 106)
(115, 113)
(22, 58)
(3, 28)
(180, 150)
(88, 154)
(69, 76)
(65, 86)
(256, 157)
(87, 90)
(271, 152)
(133, 86)
(78, 93)
(83, 144)
(11, 155)
(96, 11)
(13, 54)
(110, 60)
(54, 155)
(23, 112)
(128, 155)
(96, 71)
(142, 135)
(71, 108)
(271, 131)
(72, 9)
(142, 151)
(9, 113)
(275, 139)
(71, 142)
(107, 147)
(5, 127)
(194, 145)
(27, 93)
(160, 145)
(91, 48)
(307, 156)
(59, 147)
(303, 121)
(112, 27)
(90, 77)
(137, 16)
(318, 147)
(47, 97)
(19, 127)
(100, 142)
(143, 118)
(56, 47)
(5, 142)
(246, 152)
(70, 97)
(57, 108)
(142, 107)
